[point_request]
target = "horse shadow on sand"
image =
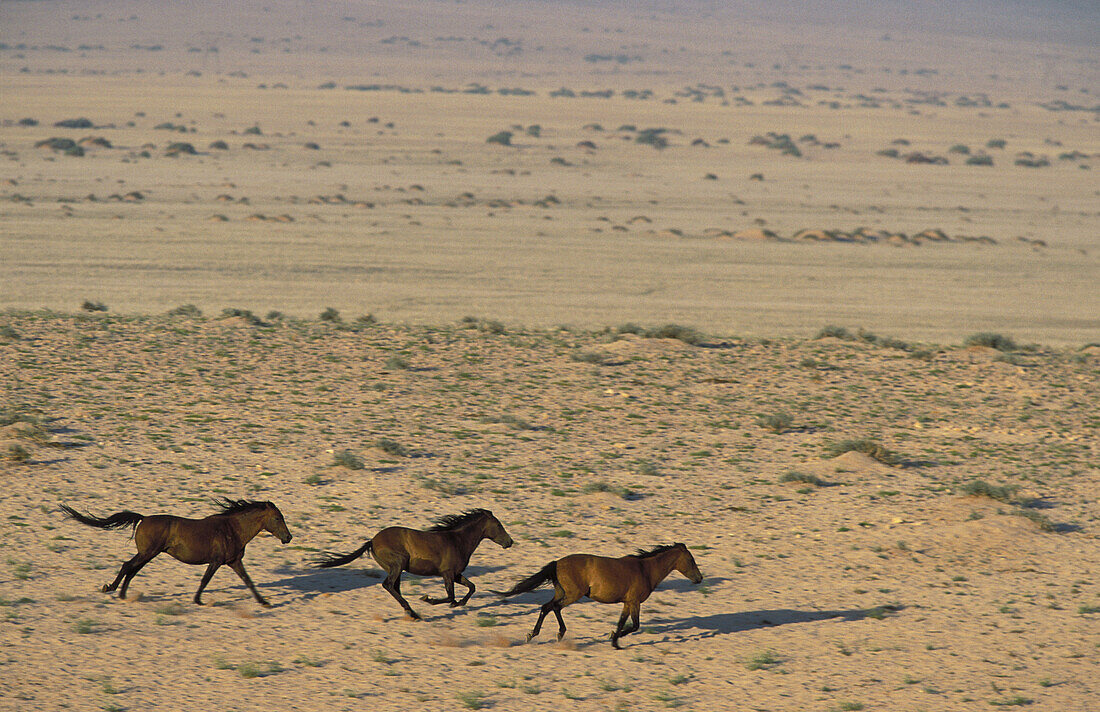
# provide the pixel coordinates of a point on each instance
(309, 583)
(701, 627)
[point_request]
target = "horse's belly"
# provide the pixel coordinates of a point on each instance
(423, 567)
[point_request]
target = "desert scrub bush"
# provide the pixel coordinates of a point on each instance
(959, 148)
(868, 447)
(396, 363)
(218, 146)
(472, 700)
(604, 486)
(489, 326)
(503, 138)
(836, 332)
(391, 447)
(8, 333)
(80, 123)
(888, 152)
(85, 626)
(777, 423)
(247, 315)
(330, 314)
(995, 143)
(254, 131)
(648, 468)
(348, 459)
(589, 357)
(441, 486)
(251, 670)
(177, 148)
(981, 488)
(1040, 520)
(762, 660)
(804, 478)
(675, 331)
(652, 137)
(15, 452)
(991, 340)
(188, 310)
(980, 159)
(90, 306)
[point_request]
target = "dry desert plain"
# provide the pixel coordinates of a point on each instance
(282, 261)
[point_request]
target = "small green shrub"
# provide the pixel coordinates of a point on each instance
(980, 159)
(503, 138)
(331, 315)
(995, 143)
(90, 306)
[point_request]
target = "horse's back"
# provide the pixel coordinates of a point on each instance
(192, 541)
(601, 578)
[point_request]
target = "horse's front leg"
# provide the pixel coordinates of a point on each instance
(238, 566)
(209, 574)
(449, 585)
(468, 584)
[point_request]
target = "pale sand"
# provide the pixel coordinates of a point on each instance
(435, 225)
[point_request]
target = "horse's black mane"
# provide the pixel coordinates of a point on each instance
(232, 506)
(660, 549)
(454, 521)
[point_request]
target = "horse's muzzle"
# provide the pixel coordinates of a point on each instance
(287, 540)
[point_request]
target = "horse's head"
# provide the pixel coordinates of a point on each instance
(495, 530)
(685, 564)
(275, 524)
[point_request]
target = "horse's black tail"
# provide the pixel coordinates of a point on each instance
(328, 559)
(547, 573)
(118, 520)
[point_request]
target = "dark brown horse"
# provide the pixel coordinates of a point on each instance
(443, 550)
(629, 579)
(216, 540)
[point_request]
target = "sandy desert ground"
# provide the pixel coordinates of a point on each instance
(824, 208)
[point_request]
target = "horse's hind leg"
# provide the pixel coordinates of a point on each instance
(205, 580)
(238, 566)
(127, 572)
(393, 585)
(552, 605)
(449, 585)
(634, 611)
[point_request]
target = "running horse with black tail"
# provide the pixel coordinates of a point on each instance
(629, 579)
(444, 549)
(216, 540)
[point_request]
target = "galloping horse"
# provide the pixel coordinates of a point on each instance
(216, 540)
(443, 550)
(629, 579)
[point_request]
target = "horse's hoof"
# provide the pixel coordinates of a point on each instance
(530, 636)
(106, 588)
(424, 597)
(265, 603)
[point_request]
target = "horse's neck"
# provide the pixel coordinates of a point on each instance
(467, 538)
(249, 525)
(656, 568)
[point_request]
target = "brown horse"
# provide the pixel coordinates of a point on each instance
(629, 579)
(443, 550)
(216, 540)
